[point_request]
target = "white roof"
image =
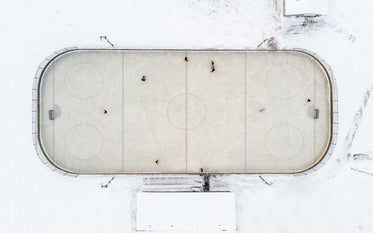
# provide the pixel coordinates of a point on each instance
(306, 7)
(186, 212)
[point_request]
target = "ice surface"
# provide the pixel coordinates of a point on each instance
(251, 115)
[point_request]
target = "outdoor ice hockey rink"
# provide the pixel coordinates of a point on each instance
(151, 111)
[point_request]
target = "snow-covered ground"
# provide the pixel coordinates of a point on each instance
(334, 199)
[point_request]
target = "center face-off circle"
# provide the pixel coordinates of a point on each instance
(185, 110)
(84, 80)
(84, 142)
(284, 81)
(284, 142)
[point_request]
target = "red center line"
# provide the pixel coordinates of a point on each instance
(186, 115)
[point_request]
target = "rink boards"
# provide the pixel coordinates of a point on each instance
(258, 112)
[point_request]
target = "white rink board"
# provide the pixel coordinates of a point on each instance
(186, 212)
(249, 116)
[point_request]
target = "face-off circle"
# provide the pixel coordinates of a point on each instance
(84, 142)
(284, 81)
(186, 110)
(284, 142)
(84, 80)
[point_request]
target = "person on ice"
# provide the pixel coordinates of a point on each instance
(212, 66)
(186, 59)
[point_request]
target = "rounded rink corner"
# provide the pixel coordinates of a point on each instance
(128, 111)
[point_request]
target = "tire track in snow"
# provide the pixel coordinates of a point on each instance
(356, 122)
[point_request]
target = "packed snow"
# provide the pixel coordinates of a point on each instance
(337, 198)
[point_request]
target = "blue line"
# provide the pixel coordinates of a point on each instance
(245, 116)
(122, 112)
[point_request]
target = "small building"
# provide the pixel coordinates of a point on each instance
(305, 7)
